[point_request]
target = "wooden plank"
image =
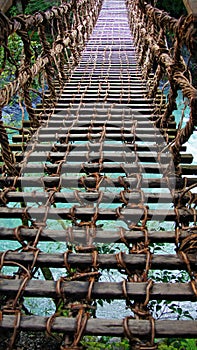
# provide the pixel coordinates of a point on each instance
(108, 327)
(79, 235)
(86, 137)
(83, 115)
(107, 197)
(90, 168)
(101, 290)
(77, 155)
(94, 137)
(113, 76)
(127, 91)
(88, 146)
(114, 130)
(99, 122)
(148, 110)
(70, 181)
(132, 261)
(114, 84)
(122, 96)
(85, 124)
(89, 181)
(84, 213)
(63, 115)
(109, 97)
(78, 129)
(188, 169)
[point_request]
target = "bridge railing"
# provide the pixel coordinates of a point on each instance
(151, 27)
(62, 32)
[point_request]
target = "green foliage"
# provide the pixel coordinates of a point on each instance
(106, 248)
(181, 344)
(14, 46)
(164, 307)
(13, 11)
(42, 5)
(15, 54)
(166, 347)
(175, 8)
(99, 343)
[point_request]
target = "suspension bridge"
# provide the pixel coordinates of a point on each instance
(100, 160)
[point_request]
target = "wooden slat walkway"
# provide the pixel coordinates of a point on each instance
(94, 173)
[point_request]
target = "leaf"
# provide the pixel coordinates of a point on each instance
(100, 302)
(179, 310)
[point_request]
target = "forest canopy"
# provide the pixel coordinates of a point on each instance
(175, 8)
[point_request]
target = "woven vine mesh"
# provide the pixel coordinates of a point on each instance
(99, 160)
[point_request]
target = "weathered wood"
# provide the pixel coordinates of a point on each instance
(43, 117)
(84, 213)
(92, 168)
(88, 146)
(84, 137)
(146, 110)
(58, 123)
(132, 261)
(114, 118)
(106, 156)
(128, 91)
(94, 129)
(101, 290)
(89, 181)
(107, 197)
(112, 125)
(78, 235)
(111, 97)
(78, 155)
(106, 168)
(188, 169)
(114, 84)
(72, 181)
(110, 327)
(98, 122)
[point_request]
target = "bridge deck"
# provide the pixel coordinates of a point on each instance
(98, 171)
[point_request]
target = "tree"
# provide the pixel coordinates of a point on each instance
(42, 5)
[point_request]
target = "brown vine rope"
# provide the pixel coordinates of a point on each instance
(144, 19)
(52, 57)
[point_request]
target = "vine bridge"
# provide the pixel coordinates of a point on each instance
(96, 180)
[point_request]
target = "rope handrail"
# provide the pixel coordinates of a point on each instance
(69, 27)
(183, 28)
(150, 27)
(25, 23)
(33, 21)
